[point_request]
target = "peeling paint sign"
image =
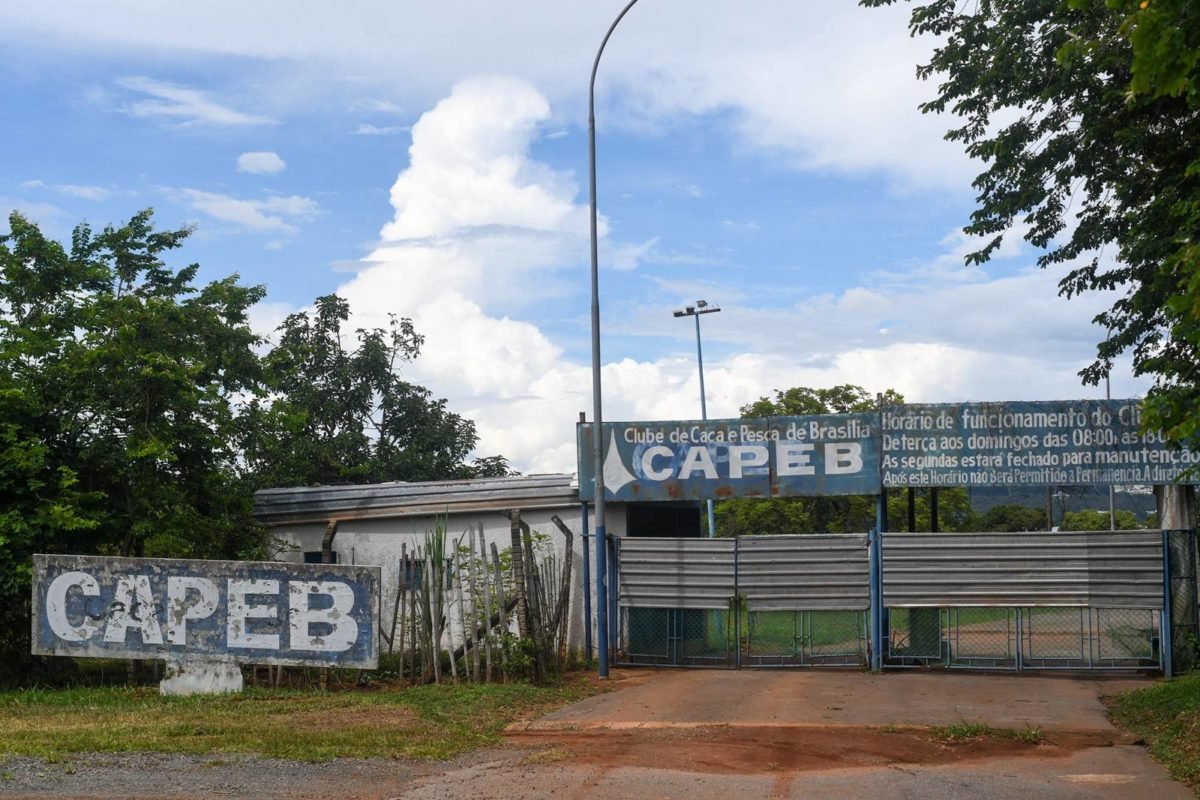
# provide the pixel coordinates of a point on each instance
(1078, 442)
(834, 454)
(238, 611)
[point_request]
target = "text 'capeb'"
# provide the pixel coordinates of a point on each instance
(260, 612)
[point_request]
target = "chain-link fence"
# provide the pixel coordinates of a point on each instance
(1026, 638)
(1185, 621)
(675, 637)
(805, 638)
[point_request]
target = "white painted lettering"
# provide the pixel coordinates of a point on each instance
(843, 458)
(648, 456)
(56, 606)
(748, 455)
(239, 612)
(343, 630)
(698, 459)
(179, 611)
(133, 607)
(794, 458)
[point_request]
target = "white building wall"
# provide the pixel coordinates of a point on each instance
(378, 542)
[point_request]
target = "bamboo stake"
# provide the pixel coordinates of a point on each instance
(518, 568)
(412, 620)
(563, 612)
(503, 605)
(474, 596)
(462, 610)
(402, 606)
(435, 633)
(487, 604)
(397, 605)
(447, 626)
(535, 622)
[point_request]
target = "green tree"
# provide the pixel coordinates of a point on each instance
(1091, 519)
(340, 413)
(954, 510)
(117, 376)
(783, 515)
(845, 398)
(1009, 517)
(1084, 113)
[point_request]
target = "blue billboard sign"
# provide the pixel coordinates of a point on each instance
(835, 454)
(1054, 443)
(232, 611)
(1076, 442)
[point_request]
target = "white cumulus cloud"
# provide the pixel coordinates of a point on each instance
(483, 237)
(261, 163)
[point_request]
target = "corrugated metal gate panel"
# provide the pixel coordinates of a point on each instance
(676, 573)
(809, 572)
(1101, 570)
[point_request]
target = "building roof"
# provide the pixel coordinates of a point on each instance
(398, 499)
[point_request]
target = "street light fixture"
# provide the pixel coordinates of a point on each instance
(701, 307)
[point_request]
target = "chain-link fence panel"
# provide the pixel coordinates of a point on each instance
(914, 635)
(1185, 624)
(982, 637)
(675, 637)
(805, 638)
(1126, 638)
(1055, 637)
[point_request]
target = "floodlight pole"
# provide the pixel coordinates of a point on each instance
(702, 307)
(597, 416)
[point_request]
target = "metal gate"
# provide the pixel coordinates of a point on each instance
(674, 604)
(804, 600)
(752, 601)
(1024, 600)
(975, 600)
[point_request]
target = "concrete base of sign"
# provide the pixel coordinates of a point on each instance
(200, 676)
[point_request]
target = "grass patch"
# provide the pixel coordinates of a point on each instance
(960, 731)
(967, 731)
(436, 721)
(1167, 717)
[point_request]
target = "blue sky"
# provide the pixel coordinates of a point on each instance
(431, 162)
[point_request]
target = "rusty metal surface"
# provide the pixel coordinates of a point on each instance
(1121, 569)
(829, 454)
(322, 503)
(239, 611)
(804, 572)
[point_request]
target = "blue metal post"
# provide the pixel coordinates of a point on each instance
(601, 601)
(614, 577)
(587, 584)
(881, 525)
(1168, 647)
(873, 612)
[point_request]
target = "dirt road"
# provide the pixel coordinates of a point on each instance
(702, 734)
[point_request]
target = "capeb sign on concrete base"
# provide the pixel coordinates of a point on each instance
(213, 611)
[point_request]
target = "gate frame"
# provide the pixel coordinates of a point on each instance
(877, 613)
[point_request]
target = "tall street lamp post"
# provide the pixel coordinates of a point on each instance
(597, 417)
(701, 307)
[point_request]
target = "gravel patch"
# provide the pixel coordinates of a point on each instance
(159, 775)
